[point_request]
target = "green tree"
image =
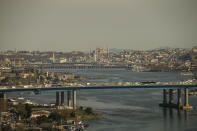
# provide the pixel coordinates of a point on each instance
(55, 116)
(47, 127)
(89, 110)
(81, 108)
(28, 109)
(20, 109)
(41, 119)
(72, 114)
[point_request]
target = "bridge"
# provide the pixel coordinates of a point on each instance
(77, 66)
(72, 93)
(67, 66)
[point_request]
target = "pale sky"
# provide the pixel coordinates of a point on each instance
(66, 25)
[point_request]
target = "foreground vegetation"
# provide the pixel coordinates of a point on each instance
(56, 117)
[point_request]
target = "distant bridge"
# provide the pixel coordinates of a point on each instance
(73, 66)
(78, 66)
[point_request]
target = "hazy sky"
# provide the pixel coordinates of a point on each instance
(67, 25)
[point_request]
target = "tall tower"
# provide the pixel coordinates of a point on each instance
(35, 72)
(53, 57)
(90, 53)
(108, 53)
(29, 72)
(42, 69)
(95, 56)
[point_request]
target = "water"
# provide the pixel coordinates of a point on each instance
(130, 110)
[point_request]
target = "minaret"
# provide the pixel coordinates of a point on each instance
(42, 69)
(108, 53)
(29, 72)
(53, 57)
(95, 56)
(14, 62)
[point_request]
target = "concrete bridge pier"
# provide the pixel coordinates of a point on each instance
(170, 103)
(74, 99)
(57, 99)
(179, 102)
(69, 98)
(171, 97)
(164, 104)
(186, 105)
(62, 98)
(164, 96)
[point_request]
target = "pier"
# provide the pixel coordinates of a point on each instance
(60, 97)
(179, 104)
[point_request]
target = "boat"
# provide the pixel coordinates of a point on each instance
(186, 73)
(148, 82)
(20, 98)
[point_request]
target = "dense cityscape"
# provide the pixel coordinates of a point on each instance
(26, 69)
(167, 59)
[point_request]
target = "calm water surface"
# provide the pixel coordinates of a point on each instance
(130, 110)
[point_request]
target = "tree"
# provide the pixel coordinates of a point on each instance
(55, 116)
(24, 110)
(72, 114)
(20, 109)
(81, 108)
(41, 119)
(28, 109)
(89, 110)
(47, 127)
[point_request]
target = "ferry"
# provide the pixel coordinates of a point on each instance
(186, 73)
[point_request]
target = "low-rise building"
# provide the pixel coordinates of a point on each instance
(40, 113)
(65, 76)
(26, 75)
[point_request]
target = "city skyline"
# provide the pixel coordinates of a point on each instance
(84, 25)
(91, 50)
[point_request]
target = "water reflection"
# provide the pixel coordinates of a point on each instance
(165, 116)
(175, 118)
(186, 115)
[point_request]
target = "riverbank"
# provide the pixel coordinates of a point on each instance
(68, 118)
(22, 116)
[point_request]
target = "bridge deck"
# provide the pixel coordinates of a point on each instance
(63, 88)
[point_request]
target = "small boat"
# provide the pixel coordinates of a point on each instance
(148, 82)
(186, 73)
(20, 98)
